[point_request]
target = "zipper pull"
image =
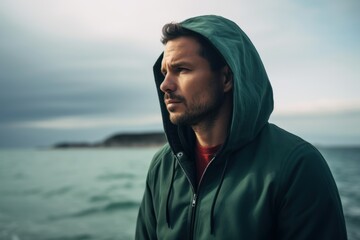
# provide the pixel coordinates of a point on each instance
(194, 200)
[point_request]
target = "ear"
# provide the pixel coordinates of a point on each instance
(227, 78)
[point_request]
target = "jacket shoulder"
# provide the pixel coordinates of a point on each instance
(163, 153)
(294, 155)
(305, 182)
(284, 145)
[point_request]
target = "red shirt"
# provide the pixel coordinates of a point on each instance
(203, 157)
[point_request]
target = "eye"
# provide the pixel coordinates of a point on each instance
(182, 69)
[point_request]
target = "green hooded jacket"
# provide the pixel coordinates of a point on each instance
(265, 183)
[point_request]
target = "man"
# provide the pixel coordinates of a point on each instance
(226, 173)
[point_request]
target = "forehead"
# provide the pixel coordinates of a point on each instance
(182, 48)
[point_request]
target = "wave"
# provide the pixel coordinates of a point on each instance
(107, 208)
(38, 236)
(99, 198)
(116, 176)
(121, 205)
(114, 206)
(78, 237)
(58, 192)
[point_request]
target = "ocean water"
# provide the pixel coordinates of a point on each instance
(94, 194)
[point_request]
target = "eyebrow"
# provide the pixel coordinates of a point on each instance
(176, 64)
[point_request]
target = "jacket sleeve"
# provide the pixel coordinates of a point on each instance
(310, 206)
(146, 221)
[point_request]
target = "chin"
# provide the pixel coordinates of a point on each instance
(174, 120)
(182, 119)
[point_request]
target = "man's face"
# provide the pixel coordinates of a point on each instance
(193, 92)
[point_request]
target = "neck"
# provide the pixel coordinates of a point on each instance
(213, 132)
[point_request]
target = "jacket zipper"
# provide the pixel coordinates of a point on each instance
(194, 203)
(192, 223)
(194, 199)
(205, 170)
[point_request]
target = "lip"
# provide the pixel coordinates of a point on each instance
(171, 101)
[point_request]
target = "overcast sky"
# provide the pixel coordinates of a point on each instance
(81, 70)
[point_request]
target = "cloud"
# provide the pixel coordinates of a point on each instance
(43, 79)
(90, 122)
(319, 107)
(324, 126)
(88, 63)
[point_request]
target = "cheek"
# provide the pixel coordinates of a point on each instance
(199, 87)
(200, 97)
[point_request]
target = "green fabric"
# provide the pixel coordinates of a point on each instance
(265, 184)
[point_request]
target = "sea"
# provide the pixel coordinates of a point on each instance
(94, 194)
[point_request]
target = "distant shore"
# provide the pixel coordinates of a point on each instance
(148, 139)
(151, 139)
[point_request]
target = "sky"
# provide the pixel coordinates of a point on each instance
(81, 70)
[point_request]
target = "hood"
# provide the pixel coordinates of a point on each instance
(252, 92)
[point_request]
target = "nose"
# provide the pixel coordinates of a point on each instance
(168, 85)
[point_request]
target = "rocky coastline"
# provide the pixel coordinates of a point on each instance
(148, 139)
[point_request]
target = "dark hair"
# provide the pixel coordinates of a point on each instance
(172, 31)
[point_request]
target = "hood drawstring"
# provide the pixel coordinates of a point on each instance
(215, 198)
(168, 195)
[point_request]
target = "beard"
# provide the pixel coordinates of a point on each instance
(197, 110)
